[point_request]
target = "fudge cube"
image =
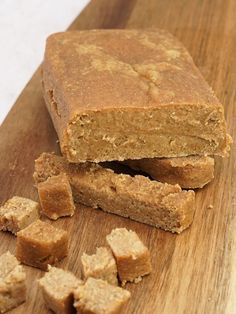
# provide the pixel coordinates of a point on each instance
(97, 296)
(132, 256)
(56, 197)
(101, 265)
(57, 287)
(41, 244)
(17, 213)
(12, 282)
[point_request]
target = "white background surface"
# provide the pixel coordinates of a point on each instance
(24, 26)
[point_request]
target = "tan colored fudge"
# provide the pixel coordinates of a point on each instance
(139, 198)
(57, 287)
(101, 265)
(17, 213)
(132, 256)
(97, 296)
(56, 197)
(189, 172)
(129, 94)
(41, 244)
(12, 283)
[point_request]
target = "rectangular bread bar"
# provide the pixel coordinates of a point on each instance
(129, 94)
(189, 172)
(158, 204)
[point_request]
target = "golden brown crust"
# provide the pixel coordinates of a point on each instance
(189, 172)
(158, 204)
(116, 83)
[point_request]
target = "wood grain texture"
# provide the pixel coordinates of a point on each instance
(194, 272)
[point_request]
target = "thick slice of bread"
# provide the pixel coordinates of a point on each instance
(189, 172)
(158, 204)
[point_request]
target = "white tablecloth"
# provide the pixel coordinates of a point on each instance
(24, 26)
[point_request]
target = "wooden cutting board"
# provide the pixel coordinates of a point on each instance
(194, 272)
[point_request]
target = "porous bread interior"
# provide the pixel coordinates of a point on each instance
(59, 282)
(97, 296)
(102, 258)
(12, 282)
(8, 263)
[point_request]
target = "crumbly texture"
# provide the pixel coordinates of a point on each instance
(158, 204)
(56, 197)
(132, 256)
(129, 94)
(101, 265)
(57, 287)
(97, 296)
(189, 172)
(41, 244)
(12, 283)
(17, 213)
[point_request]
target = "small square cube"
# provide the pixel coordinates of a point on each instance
(97, 296)
(57, 286)
(132, 256)
(56, 197)
(17, 213)
(41, 244)
(12, 283)
(101, 265)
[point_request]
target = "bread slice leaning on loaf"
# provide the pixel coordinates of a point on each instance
(189, 172)
(158, 204)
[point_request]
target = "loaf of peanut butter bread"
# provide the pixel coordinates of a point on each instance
(129, 94)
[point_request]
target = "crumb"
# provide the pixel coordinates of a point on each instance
(138, 279)
(12, 165)
(210, 206)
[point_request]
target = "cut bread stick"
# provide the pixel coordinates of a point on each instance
(158, 204)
